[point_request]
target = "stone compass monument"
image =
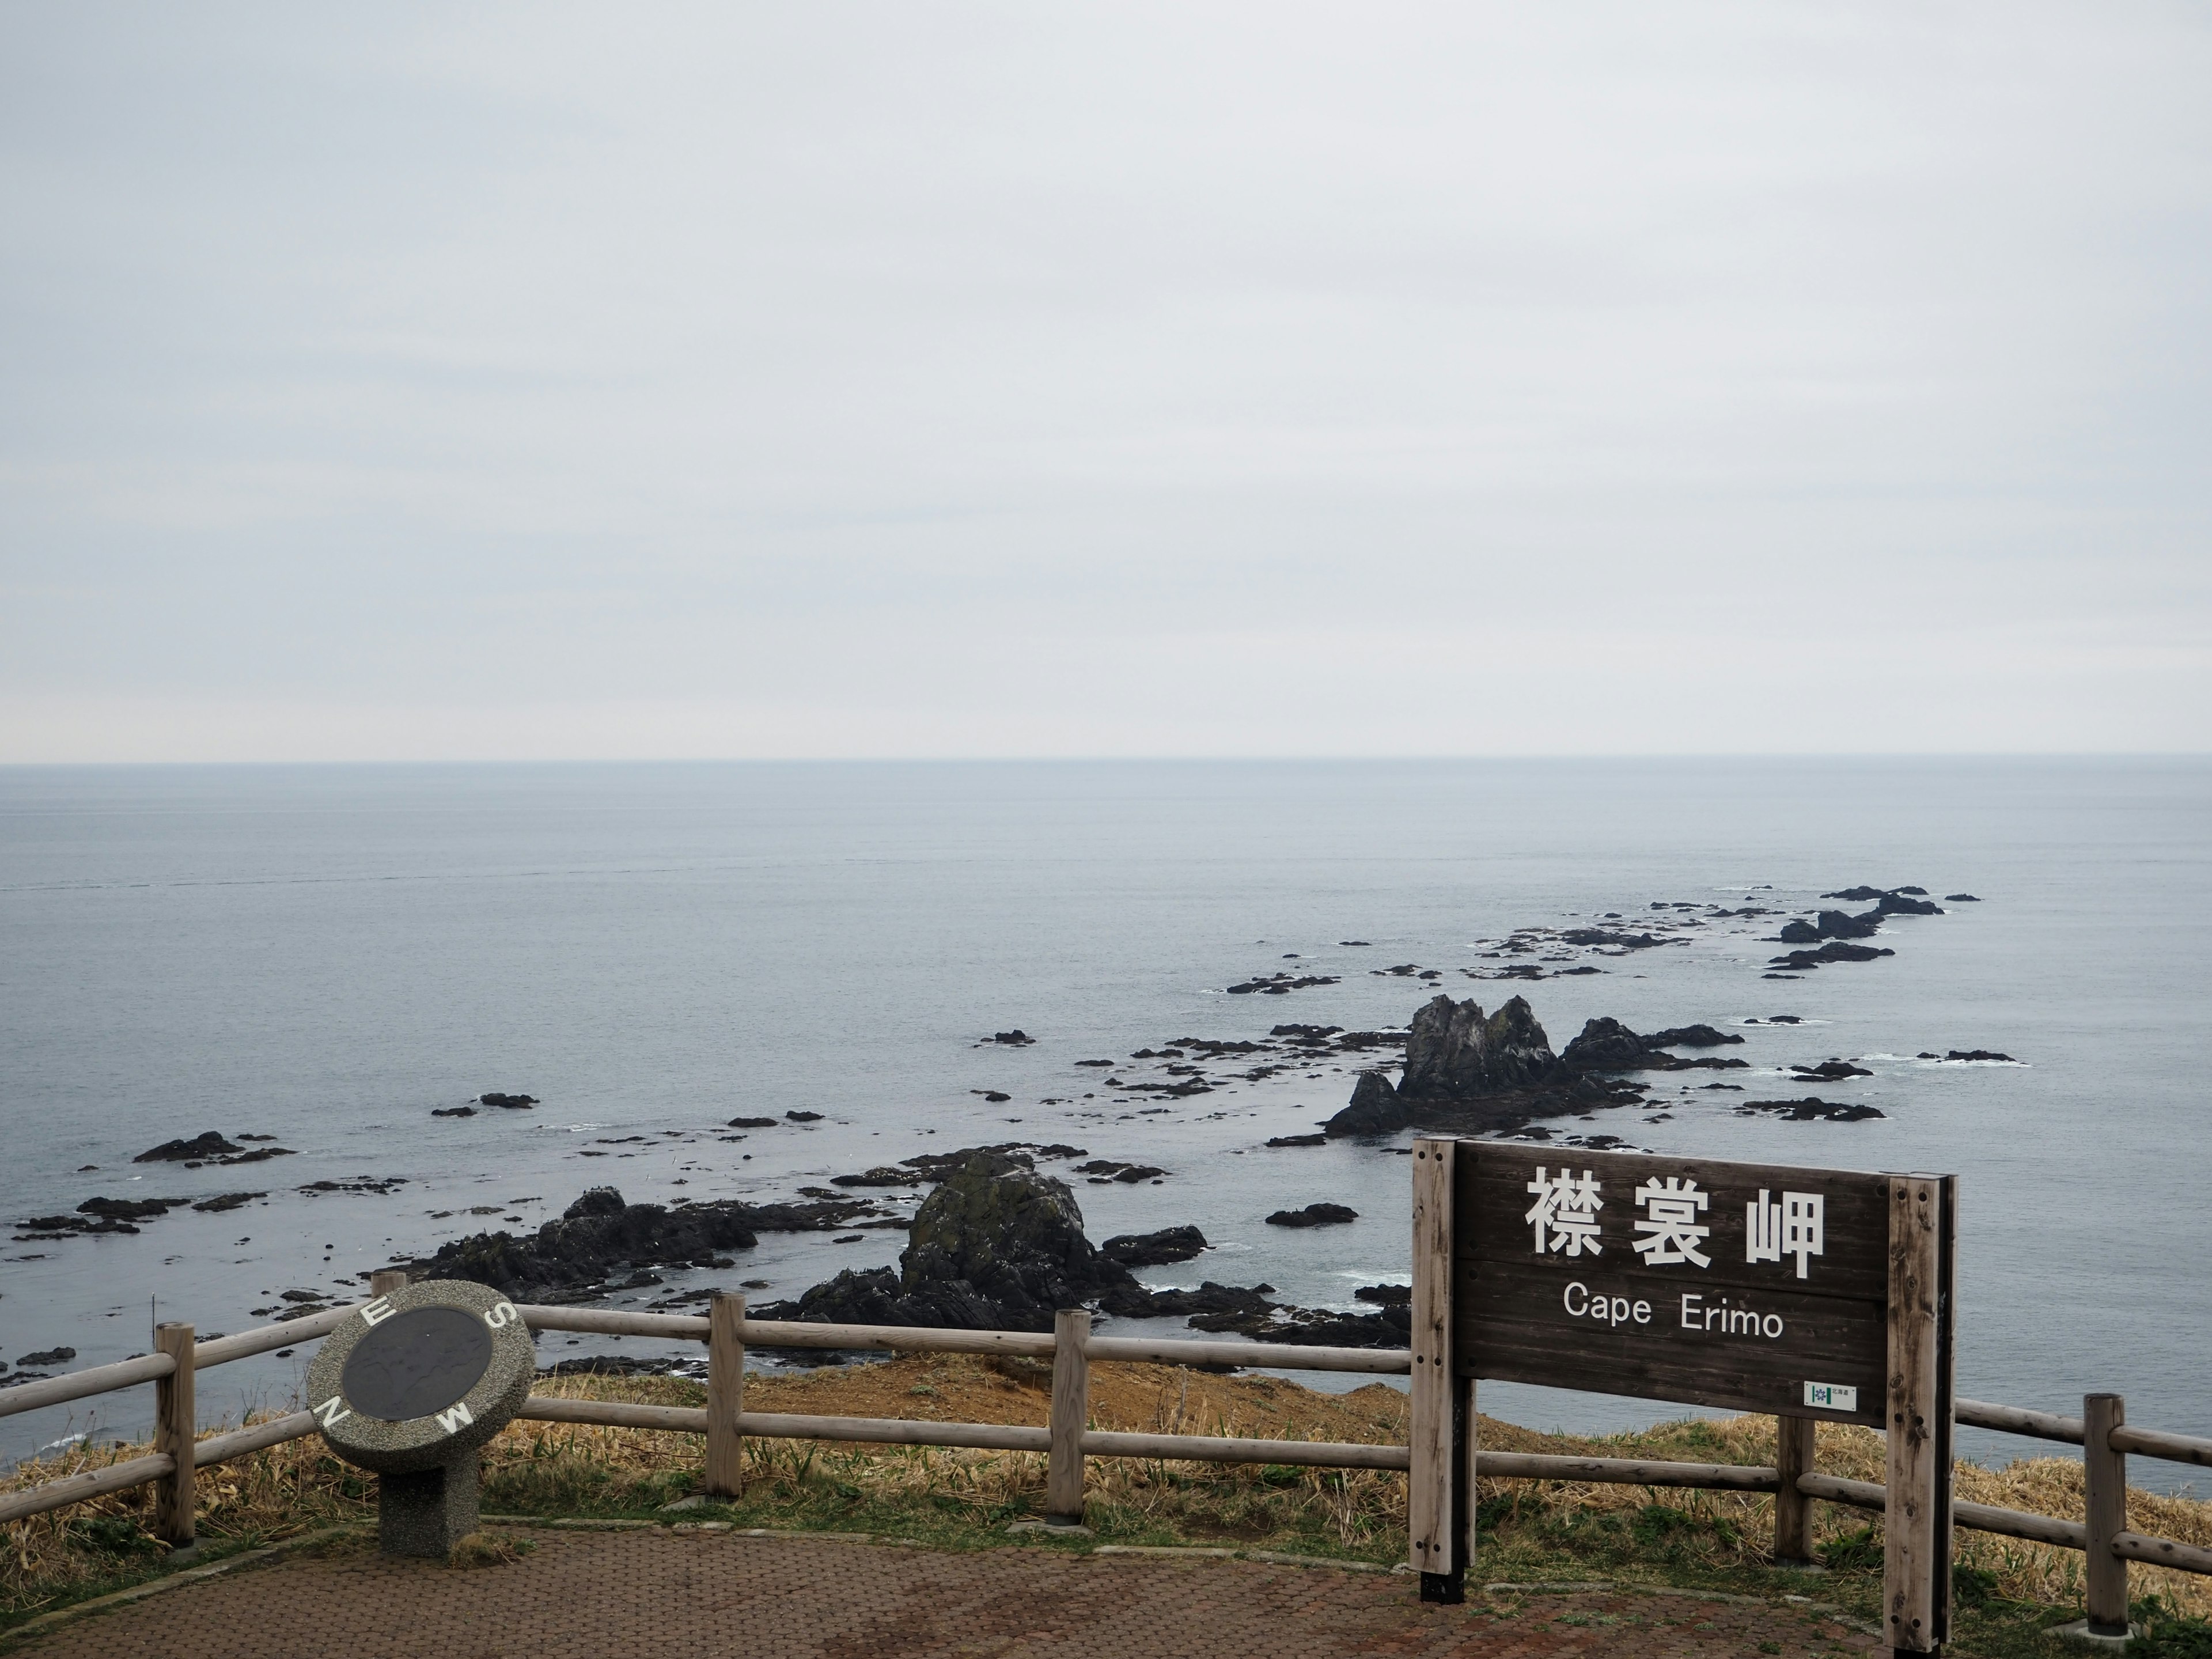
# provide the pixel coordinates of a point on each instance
(412, 1387)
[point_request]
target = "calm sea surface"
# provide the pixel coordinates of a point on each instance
(327, 954)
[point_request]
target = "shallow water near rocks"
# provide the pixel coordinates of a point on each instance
(330, 955)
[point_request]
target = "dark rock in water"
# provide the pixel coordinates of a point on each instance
(1276, 985)
(1831, 924)
(997, 1247)
(875, 1296)
(1375, 1108)
(624, 1364)
(1828, 1071)
(1391, 1327)
(1834, 950)
(1356, 942)
(1134, 1302)
(1808, 1110)
(48, 1357)
(208, 1144)
(129, 1209)
(1691, 1036)
(1454, 1051)
(816, 1117)
(1298, 1140)
(1979, 1053)
(754, 1122)
(453, 1111)
(1607, 1045)
(1314, 1215)
(1960, 898)
(1859, 895)
(1154, 1249)
(1896, 904)
(1386, 1296)
(512, 1102)
(227, 1201)
(994, 1096)
(1306, 1033)
(258, 1155)
(884, 1177)
(1106, 1169)
(1015, 1037)
(1602, 936)
(600, 1238)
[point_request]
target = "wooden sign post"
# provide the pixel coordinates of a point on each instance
(1815, 1295)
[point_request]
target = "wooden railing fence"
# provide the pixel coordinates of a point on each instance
(1067, 1439)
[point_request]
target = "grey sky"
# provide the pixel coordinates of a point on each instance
(1023, 380)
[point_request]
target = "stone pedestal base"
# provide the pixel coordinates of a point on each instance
(2111, 1641)
(427, 1513)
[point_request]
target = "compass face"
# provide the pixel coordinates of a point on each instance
(422, 1376)
(416, 1362)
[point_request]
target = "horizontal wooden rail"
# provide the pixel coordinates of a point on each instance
(2155, 1443)
(1279, 1356)
(76, 1385)
(931, 1339)
(239, 1443)
(898, 1338)
(286, 1333)
(2162, 1552)
(1859, 1494)
(895, 1431)
(608, 1322)
(2021, 1523)
(91, 1483)
(1625, 1471)
(614, 1415)
(2013, 1419)
(1205, 1449)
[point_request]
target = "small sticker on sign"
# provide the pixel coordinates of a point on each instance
(1832, 1396)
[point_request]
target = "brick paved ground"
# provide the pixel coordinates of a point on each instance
(600, 1595)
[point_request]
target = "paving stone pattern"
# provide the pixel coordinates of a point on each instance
(589, 1595)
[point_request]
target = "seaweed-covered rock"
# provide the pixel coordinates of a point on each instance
(1015, 1235)
(996, 1246)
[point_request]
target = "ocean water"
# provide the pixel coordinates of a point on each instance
(327, 954)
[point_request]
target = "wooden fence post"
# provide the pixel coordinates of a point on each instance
(175, 1435)
(1794, 1454)
(385, 1280)
(1071, 1409)
(2107, 1475)
(1911, 1596)
(1440, 1481)
(726, 1393)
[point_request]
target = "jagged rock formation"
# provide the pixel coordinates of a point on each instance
(1466, 1070)
(1455, 1052)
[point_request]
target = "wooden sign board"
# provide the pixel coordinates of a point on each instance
(1814, 1293)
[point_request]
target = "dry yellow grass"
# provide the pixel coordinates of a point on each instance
(554, 1467)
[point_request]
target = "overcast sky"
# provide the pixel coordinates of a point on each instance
(931, 379)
